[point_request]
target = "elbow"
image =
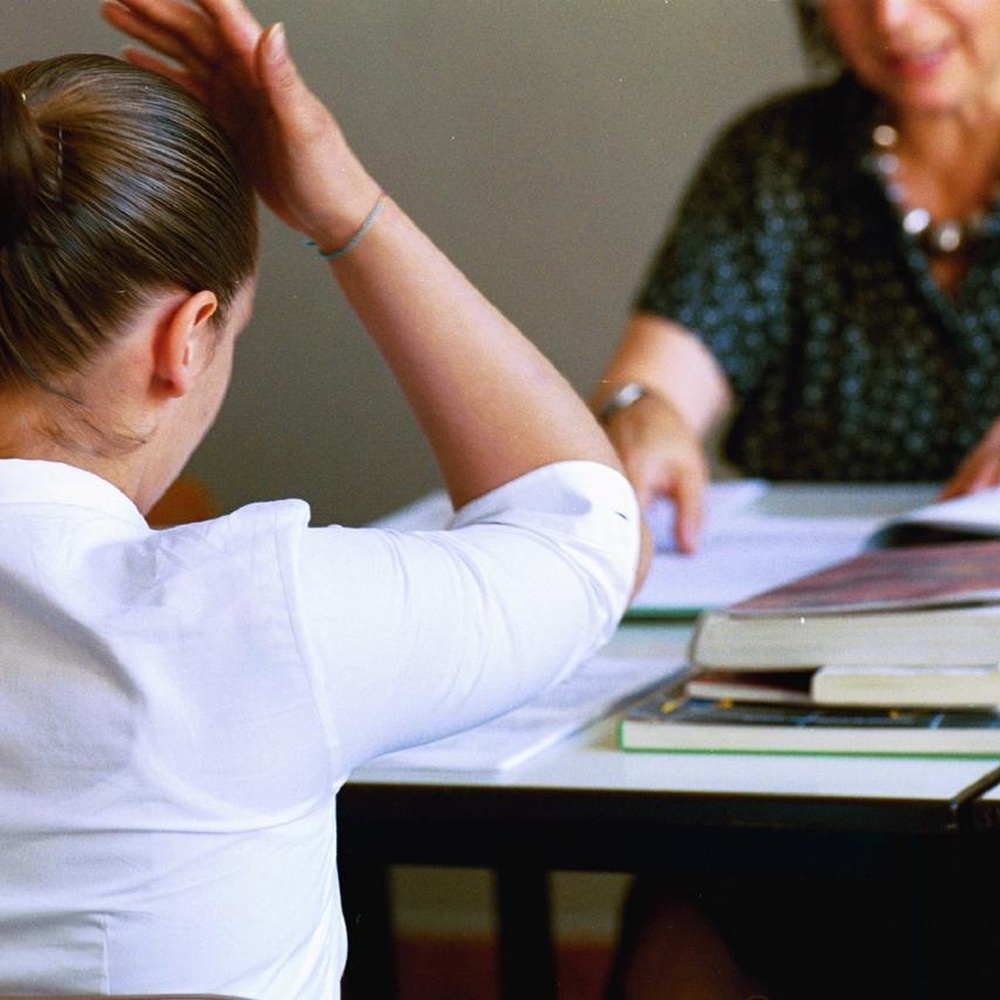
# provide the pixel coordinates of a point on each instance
(645, 557)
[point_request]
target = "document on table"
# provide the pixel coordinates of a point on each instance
(601, 686)
(758, 535)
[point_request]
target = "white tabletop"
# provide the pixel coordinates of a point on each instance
(592, 760)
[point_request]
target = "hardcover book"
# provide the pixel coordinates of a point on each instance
(925, 606)
(667, 723)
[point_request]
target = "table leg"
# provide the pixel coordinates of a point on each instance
(524, 931)
(371, 966)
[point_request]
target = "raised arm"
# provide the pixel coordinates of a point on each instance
(661, 437)
(492, 407)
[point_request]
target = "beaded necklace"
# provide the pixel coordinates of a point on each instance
(936, 238)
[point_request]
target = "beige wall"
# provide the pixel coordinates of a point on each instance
(541, 142)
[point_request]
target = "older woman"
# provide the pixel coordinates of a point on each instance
(831, 285)
(181, 706)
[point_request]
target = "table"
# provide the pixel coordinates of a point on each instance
(585, 805)
(978, 865)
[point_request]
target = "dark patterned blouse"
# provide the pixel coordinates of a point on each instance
(788, 260)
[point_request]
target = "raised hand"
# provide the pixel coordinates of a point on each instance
(290, 145)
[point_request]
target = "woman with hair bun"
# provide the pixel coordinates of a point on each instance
(180, 706)
(115, 190)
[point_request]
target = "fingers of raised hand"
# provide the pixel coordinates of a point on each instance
(177, 30)
(207, 38)
(205, 46)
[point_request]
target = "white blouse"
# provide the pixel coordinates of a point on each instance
(179, 707)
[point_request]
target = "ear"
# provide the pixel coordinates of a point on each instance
(184, 343)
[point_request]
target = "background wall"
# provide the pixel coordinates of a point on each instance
(542, 143)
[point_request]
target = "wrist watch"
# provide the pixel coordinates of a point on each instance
(622, 398)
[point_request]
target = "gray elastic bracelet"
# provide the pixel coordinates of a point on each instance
(358, 236)
(623, 397)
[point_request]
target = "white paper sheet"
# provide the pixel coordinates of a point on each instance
(601, 686)
(758, 536)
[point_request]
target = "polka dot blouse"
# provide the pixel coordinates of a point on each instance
(788, 260)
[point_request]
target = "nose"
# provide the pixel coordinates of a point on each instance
(890, 15)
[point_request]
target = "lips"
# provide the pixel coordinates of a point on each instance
(917, 65)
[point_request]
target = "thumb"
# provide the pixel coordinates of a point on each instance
(296, 111)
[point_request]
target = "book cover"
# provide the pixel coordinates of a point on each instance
(925, 576)
(667, 723)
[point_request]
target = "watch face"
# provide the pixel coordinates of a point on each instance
(626, 395)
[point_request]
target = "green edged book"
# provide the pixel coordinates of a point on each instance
(666, 722)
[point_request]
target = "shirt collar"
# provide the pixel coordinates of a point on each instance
(35, 481)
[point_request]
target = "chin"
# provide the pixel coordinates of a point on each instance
(938, 98)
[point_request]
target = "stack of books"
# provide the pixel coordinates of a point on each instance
(894, 651)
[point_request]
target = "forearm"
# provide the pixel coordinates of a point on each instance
(668, 360)
(491, 405)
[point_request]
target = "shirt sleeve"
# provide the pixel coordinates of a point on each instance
(412, 636)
